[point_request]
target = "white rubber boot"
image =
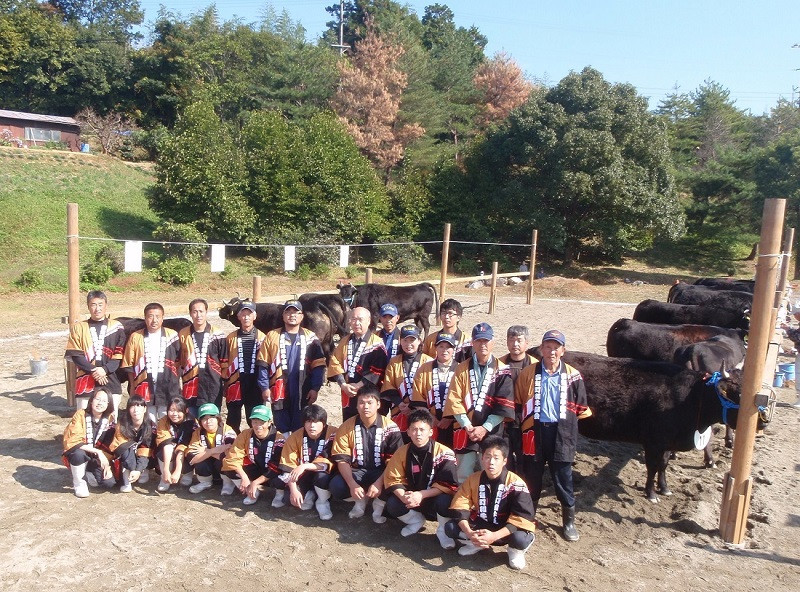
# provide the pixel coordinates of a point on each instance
(308, 500)
(414, 522)
(79, 484)
(445, 541)
(163, 486)
(126, 481)
(186, 479)
(358, 508)
(377, 511)
(202, 484)
(277, 501)
(249, 501)
(144, 477)
(323, 503)
(228, 485)
(516, 558)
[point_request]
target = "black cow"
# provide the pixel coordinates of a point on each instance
(131, 324)
(317, 317)
(728, 299)
(727, 284)
(412, 302)
(647, 341)
(656, 404)
(669, 313)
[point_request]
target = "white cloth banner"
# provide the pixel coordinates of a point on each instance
(133, 255)
(344, 255)
(217, 258)
(288, 258)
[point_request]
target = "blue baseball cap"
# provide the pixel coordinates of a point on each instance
(293, 304)
(554, 335)
(482, 331)
(409, 331)
(446, 338)
(389, 309)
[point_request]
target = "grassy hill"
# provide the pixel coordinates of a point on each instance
(35, 187)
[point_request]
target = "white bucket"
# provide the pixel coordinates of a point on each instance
(38, 367)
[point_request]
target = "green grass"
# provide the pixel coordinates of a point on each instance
(35, 187)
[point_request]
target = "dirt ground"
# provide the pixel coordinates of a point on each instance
(178, 541)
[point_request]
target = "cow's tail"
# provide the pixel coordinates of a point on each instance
(432, 288)
(341, 330)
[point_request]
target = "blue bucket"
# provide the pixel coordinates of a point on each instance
(787, 369)
(778, 380)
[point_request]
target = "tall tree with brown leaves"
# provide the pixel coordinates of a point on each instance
(368, 101)
(503, 88)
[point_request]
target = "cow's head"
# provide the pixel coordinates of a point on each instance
(728, 389)
(230, 308)
(347, 291)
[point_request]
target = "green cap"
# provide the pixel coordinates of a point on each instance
(261, 412)
(207, 409)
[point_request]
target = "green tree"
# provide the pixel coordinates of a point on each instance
(583, 160)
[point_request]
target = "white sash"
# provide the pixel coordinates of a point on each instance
(476, 399)
(251, 450)
(353, 358)
(201, 351)
(286, 344)
(157, 357)
(483, 504)
(360, 445)
(437, 398)
(408, 379)
(320, 447)
(97, 342)
(534, 405)
(240, 356)
(91, 437)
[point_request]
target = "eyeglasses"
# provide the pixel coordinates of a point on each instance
(449, 313)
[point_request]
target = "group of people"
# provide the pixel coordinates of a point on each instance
(440, 430)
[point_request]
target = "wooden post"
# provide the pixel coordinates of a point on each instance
(532, 266)
(368, 276)
(737, 484)
(73, 264)
(780, 288)
(443, 276)
(493, 292)
(256, 288)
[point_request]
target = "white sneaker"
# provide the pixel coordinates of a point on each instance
(277, 501)
(201, 486)
(126, 488)
(163, 486)
(186, 479)
(91, 479)
(469, 549)
(358, 509)
(516, 558)
(82, 489)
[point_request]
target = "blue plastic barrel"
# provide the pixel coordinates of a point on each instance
(778, 380)
(787, 369)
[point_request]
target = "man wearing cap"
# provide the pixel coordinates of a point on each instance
(253, 461)
(151, 360)
(552, 398)
(359, 359)
(389, 331)
(295, 368)
(450, 312)
(239, 367)
(201, 349)
(481, 399)
(398, 382)
(431, 385)
(95, 347)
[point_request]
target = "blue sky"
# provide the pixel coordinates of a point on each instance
(655, 45)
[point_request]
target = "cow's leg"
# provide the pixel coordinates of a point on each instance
(708, 455)
(663, 488)
(730, 433)
(426, 324)
(651, 462)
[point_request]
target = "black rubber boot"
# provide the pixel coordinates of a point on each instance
(568, 516)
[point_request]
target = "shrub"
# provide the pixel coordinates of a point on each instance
(30, 280)
(321, 271)
(467, 267)
(113, 255)
(96, 273)
(303, 272)
(178, 272)
(352, 271)
(172, 232)
(408, 259)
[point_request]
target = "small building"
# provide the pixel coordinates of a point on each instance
(32, 129)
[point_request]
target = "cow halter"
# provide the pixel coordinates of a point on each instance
(724, 401)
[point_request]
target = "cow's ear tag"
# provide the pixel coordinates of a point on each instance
(702, 440)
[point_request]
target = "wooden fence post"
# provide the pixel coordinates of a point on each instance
(532, 267)
(493, 292)
(443, 270)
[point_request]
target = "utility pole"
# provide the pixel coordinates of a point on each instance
(342, 47)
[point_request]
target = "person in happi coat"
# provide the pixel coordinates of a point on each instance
(481, 399)
(389, 331)
(240, 370)
(359, 359)
(151, 360)
(86, 444)
(431, 385)
(450, 313)
(420, 480)
(295, 368)
(210, 442)
(253, 462)
(493, 507)
(133, 443)
(361, 449)
(517, 359)
(96, 346)
(173, 434)
(551, 398)
(305, 462)
(202, 350)
(398, 381)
